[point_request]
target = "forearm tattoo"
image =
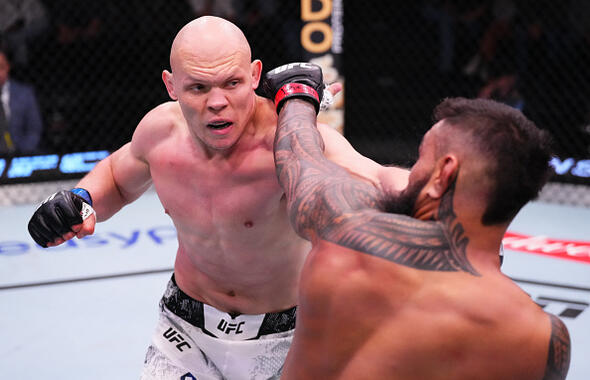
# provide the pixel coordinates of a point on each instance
(324, 200)
(558, 360)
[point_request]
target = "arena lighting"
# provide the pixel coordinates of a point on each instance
(52, 167)
(576, 168)
(48, 167)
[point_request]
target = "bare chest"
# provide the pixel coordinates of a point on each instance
(216, 197)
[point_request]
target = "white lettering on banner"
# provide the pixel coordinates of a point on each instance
(23, 167)
(81, 162)
(582, 169)
(562, 167)
(579, 168)
(574, 250)
(532, 244)
(337, 27)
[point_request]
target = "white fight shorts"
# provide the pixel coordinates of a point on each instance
(196, 341)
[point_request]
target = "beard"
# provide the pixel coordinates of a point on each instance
(404, 201)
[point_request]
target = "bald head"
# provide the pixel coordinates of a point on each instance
(207, 40)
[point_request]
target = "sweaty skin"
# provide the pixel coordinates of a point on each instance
(388, 296)
(208, 154)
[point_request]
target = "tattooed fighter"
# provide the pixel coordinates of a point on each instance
(390, 296)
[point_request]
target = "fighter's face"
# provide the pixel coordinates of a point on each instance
(217, 99)
(413, 195)
(405, 201)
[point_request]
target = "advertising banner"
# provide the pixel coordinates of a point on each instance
(321, 41)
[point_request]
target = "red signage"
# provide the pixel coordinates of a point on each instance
(564, 249)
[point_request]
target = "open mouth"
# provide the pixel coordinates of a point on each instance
(219, 125)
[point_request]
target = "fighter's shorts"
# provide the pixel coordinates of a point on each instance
(196, 341)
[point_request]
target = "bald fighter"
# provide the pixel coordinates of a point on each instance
(229, 310)
(389, 296)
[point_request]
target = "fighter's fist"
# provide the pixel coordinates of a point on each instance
(56, 216)
(294, 80)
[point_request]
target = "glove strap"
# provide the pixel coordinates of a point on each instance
(294, 89)
(83, 193)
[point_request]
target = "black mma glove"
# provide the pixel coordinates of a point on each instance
(294, 80)
(58, 213)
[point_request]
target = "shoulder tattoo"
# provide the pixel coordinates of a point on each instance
(436, 246)
(323, 199)
(558, 359)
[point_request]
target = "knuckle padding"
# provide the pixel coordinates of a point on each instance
(55, 218)
(39, 230)
(66, 221)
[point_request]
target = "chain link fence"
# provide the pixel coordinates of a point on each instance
(35, 193)
(401, 60)
(96, 65)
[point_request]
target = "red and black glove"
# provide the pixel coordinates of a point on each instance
(294, 80)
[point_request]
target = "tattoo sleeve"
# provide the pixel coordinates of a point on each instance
(317, 189)
(325, 201)
(558, 360)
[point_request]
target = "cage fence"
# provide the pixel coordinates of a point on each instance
(96, 68)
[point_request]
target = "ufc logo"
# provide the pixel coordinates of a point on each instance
(227, 328)
(288, 66)
(173, 336)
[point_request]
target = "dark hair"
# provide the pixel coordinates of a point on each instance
(517, 151)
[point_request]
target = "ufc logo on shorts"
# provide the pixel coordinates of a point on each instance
(173, 336)
(227, 328)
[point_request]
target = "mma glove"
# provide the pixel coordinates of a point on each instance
(294, 80)
(58, 213)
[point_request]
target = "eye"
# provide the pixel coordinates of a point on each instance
(197, 87)
(233, 83)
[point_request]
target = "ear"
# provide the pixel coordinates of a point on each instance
(256, 71)
(444, 174)
(167, 78)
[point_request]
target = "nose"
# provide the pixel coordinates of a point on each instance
(217, 100)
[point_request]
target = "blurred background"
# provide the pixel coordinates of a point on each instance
(95, 68)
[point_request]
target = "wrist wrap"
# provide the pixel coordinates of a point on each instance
(83, 193)
(297, 90)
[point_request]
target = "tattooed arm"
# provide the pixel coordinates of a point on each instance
(317, 189)
(558, 359)
(325, 202)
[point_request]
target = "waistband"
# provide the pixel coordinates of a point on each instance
(193, 312)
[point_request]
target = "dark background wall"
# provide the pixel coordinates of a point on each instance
(96, 65)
